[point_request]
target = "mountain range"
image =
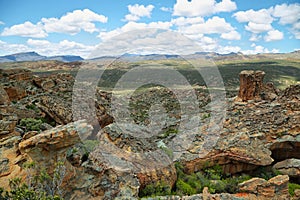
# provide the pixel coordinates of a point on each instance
(33, 56)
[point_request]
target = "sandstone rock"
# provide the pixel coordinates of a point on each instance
(9, 155)
(275, 188)
(17, 74)
(120, 150)
(251, 83)
(251, 185)
(57, 108)
(289, 167)
(58, 138)
(4, 99)
(15, 93)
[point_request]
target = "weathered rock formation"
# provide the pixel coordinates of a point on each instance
(252, 87)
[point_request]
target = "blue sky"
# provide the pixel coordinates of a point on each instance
(77, 26)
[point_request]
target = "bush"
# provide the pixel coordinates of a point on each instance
(184, 188)
(39, 187)
(158, 189)
(31, 124)
(293, 187)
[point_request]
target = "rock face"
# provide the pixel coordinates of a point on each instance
(251, 83)
(253, 88)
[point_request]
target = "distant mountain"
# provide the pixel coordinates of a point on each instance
(65, 58)
(33, 56)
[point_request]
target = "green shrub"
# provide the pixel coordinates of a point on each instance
(293, 187)
(38, 187)
(158, 189)
(184, 188)
(31, 124)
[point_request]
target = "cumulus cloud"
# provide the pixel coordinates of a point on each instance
(130, 26)
(12, 48)
(147, 41)
(71, 23)
(258, 21)
(258, 28)
(232, 35)
(228, 49)
(262, 16)
(259, 49)
(195, 26)
(273, 35)
(289, 15)
(26, 30)
(137, 11)
(202, 8)
(74, 22)
(64, 47)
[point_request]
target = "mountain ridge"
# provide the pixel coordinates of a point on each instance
(33, 56)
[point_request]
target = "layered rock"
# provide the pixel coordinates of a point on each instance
(275, 188)
(252, 87)
(251, 83)
(290, 167)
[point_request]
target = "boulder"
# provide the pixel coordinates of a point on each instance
(290, 167)
(275, 188)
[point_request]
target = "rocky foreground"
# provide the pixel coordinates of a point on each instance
(260, 129)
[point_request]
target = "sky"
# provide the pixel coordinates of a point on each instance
(78, 27)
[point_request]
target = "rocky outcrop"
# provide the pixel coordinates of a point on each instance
(251, 83)
(120, 150)
(252, 87)
(290, 167)
(275, 188)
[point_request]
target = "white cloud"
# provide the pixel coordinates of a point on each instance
(2, 23)
(258, 28)
(71, 23)
(146, 41)
(232, 35)
(196, 27)
(64, 47)
(74, 22)
(130, 26)
(289, 14)
(7, 48)
(202, 7)
(26, 30)
(165, 9)
(137, 11)
(40, 43)
(273, 35)
(228, 49)
(262, 16)
(259, 49)
(225, 6)
(258, 21)
(184, 21)
(212, 25)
